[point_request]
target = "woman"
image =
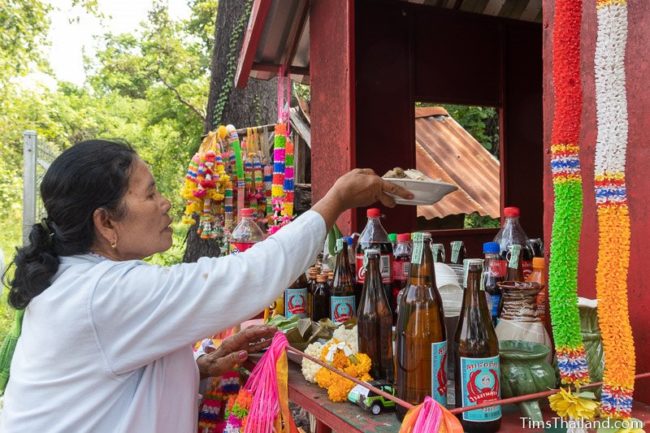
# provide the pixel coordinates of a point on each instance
(105, 344)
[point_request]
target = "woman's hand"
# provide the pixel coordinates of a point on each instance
(357, 188)
(234, 350)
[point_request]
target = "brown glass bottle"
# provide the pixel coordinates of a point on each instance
(296, 298)
(320, 299)
(311, 284)
(421, 335)
(477, 365)
(342, 302)
(375, 320)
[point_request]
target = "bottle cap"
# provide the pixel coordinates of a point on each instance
(403, 237)
(510, 212)
(246, 212)
(349, 240)
(392, 237)
(539, 262)
(373, 212)
(321, 278)
(491, 248)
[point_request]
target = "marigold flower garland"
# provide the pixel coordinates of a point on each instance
(340, 356)
(567, 186)
(612, 208)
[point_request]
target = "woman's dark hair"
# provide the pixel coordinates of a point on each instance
(90, 175)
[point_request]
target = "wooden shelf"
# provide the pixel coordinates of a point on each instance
(346, 417)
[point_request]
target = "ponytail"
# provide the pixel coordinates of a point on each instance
(36, 264)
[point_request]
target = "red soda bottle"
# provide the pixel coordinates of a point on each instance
(246, 234)
(401, 266)
(374, 236)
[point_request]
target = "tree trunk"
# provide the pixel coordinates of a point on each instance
(254, 105)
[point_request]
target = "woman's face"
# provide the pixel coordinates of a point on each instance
(145, 229)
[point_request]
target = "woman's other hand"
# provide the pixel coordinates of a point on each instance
(234, 350)
(358, 188)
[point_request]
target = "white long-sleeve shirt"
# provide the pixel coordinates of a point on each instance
(107, 347)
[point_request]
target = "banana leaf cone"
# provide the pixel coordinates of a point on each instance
(7, 349)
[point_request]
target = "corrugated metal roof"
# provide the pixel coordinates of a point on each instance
(446, 151)
(277, 35)
(278, 32)
(523, 10)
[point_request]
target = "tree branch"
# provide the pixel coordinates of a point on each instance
(180, 98)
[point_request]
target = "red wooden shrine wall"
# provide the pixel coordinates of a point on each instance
(407, 53)
(638, 158)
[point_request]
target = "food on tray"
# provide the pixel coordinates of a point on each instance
(399, 173)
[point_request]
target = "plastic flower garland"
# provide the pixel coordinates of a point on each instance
(567, 185)
(340, 356)
(612, 208)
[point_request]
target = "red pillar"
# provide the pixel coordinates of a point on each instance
(332, 88)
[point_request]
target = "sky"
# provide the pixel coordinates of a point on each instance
(70, 40)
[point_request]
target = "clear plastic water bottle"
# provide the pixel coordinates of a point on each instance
(511, 233)
(246, 234)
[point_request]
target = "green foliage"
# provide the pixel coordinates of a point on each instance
(481, 122)
(476, 221)
(23, 27)
(148, 88)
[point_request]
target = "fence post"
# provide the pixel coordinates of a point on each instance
(29, 183)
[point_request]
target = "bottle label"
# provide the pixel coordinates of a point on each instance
(385, 265)
(341, 308)
(401, 270)
(439, 372)
(479, 379)
(455, 250)
(240, 247)
(418, 248)
(295, 302)
(435, 249)
(527, 268)
(339, 245)
(515, 250)
(497, 268)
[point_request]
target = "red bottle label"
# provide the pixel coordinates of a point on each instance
(527, 267)
(385, 268)
(401, 270)
(498, 268)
